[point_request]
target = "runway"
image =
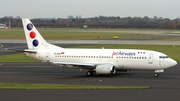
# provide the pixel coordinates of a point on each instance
(164, 88)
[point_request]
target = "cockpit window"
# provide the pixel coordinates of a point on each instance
(163, 57)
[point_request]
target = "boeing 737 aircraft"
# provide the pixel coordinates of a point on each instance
(99, 61)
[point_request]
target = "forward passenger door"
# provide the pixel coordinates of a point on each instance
(150, 58)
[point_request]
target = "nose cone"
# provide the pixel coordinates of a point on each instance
(172, 63)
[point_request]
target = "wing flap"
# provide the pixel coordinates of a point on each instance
(75, 65)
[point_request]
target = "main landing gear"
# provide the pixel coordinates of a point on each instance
(90, 73)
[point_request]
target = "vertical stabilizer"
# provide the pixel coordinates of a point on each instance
(34, 38)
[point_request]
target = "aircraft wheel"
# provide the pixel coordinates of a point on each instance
(156, 74)
(89, 73)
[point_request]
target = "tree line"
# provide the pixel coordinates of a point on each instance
(98, 22)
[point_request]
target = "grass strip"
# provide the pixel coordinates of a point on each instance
(81, 34)
(23, 86)
(16, 57)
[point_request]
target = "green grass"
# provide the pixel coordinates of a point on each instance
(82, 34)
(22, 86)
(18, 57)
(58, 35)
(171, 51)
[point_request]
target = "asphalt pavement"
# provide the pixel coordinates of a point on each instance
(163, 88)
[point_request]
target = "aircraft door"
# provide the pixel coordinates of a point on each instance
(47, 57)
(150, 58)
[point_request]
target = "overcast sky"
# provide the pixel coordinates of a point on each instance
(90, 8)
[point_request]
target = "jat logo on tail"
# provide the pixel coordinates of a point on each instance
(32, 35)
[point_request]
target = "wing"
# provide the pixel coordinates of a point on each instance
(75, 65)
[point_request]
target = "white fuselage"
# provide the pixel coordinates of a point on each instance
(122, 59)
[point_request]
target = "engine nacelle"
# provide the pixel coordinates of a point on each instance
(105, 69)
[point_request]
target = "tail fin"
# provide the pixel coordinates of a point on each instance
(34, 38)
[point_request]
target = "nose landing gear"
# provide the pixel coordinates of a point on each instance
(156, 74)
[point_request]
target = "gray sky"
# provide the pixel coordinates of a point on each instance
(90, 8)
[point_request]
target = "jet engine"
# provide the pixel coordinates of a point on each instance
(105, 69)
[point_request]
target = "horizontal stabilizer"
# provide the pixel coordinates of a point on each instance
(18, 50)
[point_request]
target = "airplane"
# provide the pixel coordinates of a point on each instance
(96, 61)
